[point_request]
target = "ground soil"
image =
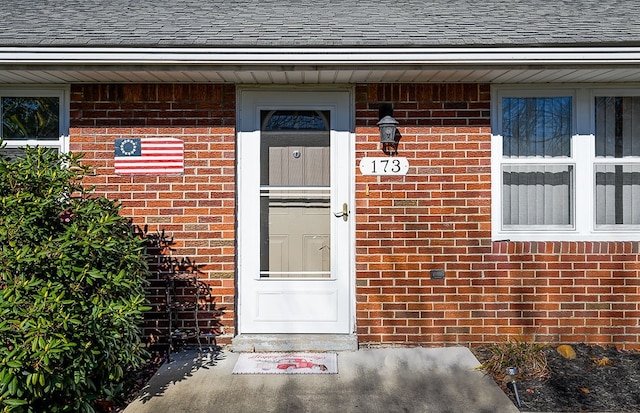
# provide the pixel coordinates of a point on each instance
(599, 379)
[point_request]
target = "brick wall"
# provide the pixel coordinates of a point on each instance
(435, 218)
(438, 218)
(195, 211)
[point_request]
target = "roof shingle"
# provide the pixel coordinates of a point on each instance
(316, 23)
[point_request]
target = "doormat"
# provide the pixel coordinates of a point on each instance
(286, 363)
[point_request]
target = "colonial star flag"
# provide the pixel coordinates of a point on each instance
(149, 156)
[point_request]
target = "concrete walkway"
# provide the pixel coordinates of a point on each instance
(377, 380)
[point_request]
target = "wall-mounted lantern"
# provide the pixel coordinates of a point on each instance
(387, 127)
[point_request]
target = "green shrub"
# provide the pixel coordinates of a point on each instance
(72, 276)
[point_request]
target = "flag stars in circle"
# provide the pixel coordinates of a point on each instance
(128, 147)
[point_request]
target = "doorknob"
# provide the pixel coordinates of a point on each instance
(344, 213)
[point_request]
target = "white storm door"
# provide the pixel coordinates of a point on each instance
(294, 219)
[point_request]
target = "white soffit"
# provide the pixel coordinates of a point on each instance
(319, 65)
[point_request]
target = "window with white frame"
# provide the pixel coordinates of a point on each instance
(565, 164)
(34, 116)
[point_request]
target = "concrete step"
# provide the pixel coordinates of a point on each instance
(245, 343)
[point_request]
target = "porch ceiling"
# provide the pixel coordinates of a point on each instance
(319, 66)
(305, 75)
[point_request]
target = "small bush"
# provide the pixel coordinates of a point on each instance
(528, 357)
(72, 278)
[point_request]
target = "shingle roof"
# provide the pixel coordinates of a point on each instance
(332, 23)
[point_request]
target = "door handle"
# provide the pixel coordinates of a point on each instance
(344, 213)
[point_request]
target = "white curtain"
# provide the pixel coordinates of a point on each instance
(617, 136)
(537, 194)
(617, 194)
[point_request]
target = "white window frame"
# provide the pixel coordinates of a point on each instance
(62, 93)
(582, 158)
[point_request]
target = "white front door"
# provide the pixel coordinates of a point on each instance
(295, 151)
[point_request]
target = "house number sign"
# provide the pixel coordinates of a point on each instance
(384, 166)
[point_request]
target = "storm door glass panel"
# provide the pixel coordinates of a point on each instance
(617, 168)
(295, 195)
(537, 195)
(30, 118)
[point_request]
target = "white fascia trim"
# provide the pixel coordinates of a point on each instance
(317, 56)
